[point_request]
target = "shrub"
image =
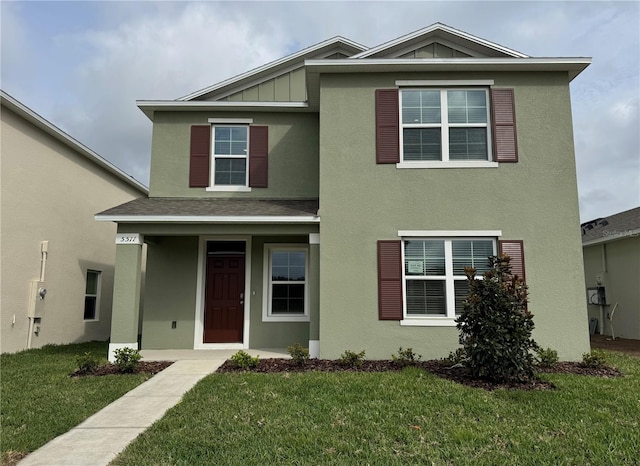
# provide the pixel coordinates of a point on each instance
(495, 325)
(595, 358)
(458, 356)
(87, 363)
(547, 357)
(127, 359)
(351, 359)
(405, 357)
(299, 354)
(244, 360)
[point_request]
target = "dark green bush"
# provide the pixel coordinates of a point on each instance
(352, 359)
(495, 325)
(87, 363)
(546, 357)
(299, 354)
(127, 359)
(594, 359)
(244, 360)
(455, 357)
(405, 357)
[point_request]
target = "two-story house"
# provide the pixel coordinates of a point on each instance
(333, 197)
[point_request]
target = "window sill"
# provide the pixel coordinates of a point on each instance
(456, 164)
(285, 318)
(429, 322)
(241, 189)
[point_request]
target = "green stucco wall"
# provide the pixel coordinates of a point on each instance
(534, 200)
(170, 293)
(293, 154)
(619, 264)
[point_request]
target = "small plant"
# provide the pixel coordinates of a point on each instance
(547, 357)
(299, 354)
(352, 359)
(127, 359)
(405, 357)
(87, 363)
(458, 356)
(244, 360)
(595, 358)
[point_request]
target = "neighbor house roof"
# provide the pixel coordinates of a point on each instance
(49, 128)
(213, 210)
(601, 230)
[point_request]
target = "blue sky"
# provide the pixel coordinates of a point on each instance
(82, 65)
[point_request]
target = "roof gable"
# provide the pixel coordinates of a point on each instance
(289, 68)
(439, 41)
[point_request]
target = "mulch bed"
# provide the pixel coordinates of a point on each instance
(144, 367)
(456, 373)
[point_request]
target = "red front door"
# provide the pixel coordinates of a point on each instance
(224, 299)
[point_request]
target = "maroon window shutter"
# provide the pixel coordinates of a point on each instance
(200, 155)
(387, 126)
(389, 280)
(258, 156)
(504, 125)
(515, 250)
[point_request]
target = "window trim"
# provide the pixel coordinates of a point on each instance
(449, 319)
(96, 316)
(267, 315)
(228, 123)
(444, 86)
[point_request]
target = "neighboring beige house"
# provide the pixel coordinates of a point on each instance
(51, 186)
(611, 250)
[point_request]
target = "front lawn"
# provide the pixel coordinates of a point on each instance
(407, 417)
(39, 401)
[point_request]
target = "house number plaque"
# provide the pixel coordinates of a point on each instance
(128, 238)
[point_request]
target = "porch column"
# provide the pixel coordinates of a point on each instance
(126, 293)
(314, 295)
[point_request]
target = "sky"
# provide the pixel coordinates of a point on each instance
(82, 65)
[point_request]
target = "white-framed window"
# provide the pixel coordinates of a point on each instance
(230, 150)
(92, 295)
(440, 126)
(434, 283)
(286, 291)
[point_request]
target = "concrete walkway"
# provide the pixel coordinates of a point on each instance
(99, 439)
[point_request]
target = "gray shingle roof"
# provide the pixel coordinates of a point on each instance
(623, 224)
(214, 207)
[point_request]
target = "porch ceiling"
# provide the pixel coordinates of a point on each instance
(162, 209)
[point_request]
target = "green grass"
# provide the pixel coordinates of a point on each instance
(39, 401)
(409, 417)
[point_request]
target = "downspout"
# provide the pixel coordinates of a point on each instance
(604, 274)
(44, 248)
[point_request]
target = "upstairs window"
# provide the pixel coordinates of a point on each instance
(230, 153)
(442, 125)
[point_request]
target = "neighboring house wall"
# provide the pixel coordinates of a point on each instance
(50, 193)
(520, 199)
(618, 262)
(293, 154)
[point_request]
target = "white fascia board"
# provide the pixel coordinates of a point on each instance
(205, 219)
(150, 106)
(49, 128)
(574, 66)
(449, 233)
(439, 27)
(607, 239)
(281, 61)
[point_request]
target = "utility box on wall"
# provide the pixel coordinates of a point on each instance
(37, 293)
